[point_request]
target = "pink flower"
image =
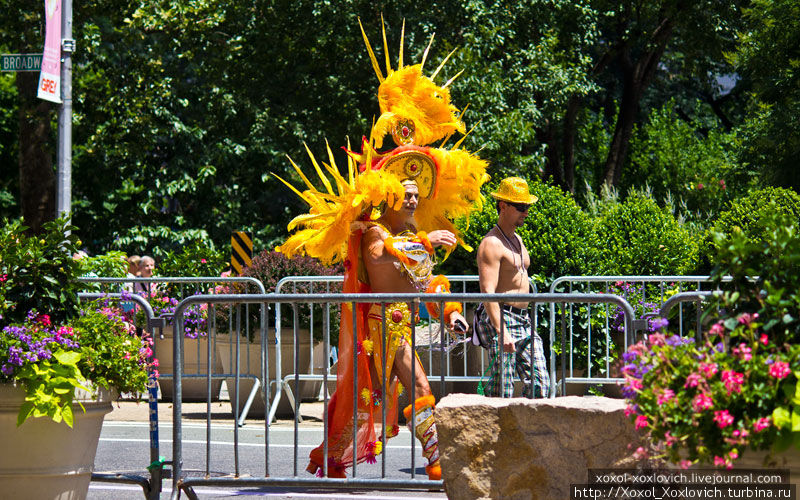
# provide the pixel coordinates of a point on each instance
(747, 318)
(127, 355)
(155, 362)
(740, 433)
(66, 330)
(202, 261)
(685, 464)
(733, 381)
(708, 369)
(761, 424)
(3, 277)
(719, 461)
(629, 410)
(665, 396)
(692, 380)
(641, 422)
(155, 373)
(43, 319)
(764, 339)
(670, 439)
(699, 186)
(743, 352)
(723, 418)
(640, 453)
(722, 183)
(717, 328)
(779, 369)
(733, 455)
(702, 402)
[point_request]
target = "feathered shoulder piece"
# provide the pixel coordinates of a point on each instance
(415, 112)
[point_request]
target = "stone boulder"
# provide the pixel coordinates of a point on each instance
(520, 448)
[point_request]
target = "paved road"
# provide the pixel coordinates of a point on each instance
(124, 446)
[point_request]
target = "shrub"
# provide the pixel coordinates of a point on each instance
(110, 265)
(196, 258)
(637, 237)
(270, 267)
(750, 214)
(38, 272)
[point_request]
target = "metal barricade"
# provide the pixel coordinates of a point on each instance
(218, 349)
(462, 366)
(587, 331)
(149, 480)
(276, 471)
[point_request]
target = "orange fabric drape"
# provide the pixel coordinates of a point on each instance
(341, 450)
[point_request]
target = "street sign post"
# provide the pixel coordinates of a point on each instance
(21, 62)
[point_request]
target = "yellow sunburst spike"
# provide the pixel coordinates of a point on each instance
(425, 54)
(301, 174)
(351, 166)
(371, 53)
(461, 140)
(452, 79)
(460, 118)
(320, 174)
(433, 76)
(333, 169)
(386, 48)
(402, 42)
(305, 198)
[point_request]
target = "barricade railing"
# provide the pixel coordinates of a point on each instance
(150, 479)
(212, 351)
(596, 337)
(276, 473)
(462, 366)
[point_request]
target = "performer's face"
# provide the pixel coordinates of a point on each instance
(411, 199)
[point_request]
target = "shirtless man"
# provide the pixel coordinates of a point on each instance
(503, 268)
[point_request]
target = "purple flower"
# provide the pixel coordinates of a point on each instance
(658, 323)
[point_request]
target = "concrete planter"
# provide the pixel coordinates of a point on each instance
(250, 363)
(44, 460)
(195, 362)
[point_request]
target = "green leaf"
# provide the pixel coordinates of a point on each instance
(66, 412)
(781, 417)
(24, 412)
(796, 419)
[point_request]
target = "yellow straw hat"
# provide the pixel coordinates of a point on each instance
(514, 190)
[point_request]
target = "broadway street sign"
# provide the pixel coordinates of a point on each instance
(20, 62)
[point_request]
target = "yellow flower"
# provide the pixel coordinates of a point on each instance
(378, 447)
(400, 388)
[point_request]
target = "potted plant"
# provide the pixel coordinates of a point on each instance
(731, 398)
(60, 362)
(270, 267)
(195, 347)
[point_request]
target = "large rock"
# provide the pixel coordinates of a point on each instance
(534, 449)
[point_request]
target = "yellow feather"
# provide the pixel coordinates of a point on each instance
(371, 53)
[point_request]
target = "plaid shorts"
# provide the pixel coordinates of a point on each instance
(527, 367)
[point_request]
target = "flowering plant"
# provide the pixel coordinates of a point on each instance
(707, 401)
(736, 388)
(195, 317)
(95, 348)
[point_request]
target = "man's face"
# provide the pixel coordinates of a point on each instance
(411, 199)
(517, 212)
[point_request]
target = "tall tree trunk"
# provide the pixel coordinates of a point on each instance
(636, 78)
(568, 142)
(552, 162)
(36, 175)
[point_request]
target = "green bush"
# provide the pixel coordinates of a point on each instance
(110, 265)
(637, 237)
(749, 214)
(38, 271)
(556, 234)
(196, 258)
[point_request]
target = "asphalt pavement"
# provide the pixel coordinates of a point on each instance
(208, 451)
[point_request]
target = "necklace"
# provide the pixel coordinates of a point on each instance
(513, 251)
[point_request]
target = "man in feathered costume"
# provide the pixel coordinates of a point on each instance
(384, 222)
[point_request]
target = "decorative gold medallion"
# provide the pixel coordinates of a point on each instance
(403, 132)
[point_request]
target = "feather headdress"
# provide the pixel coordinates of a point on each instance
(415, 112)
